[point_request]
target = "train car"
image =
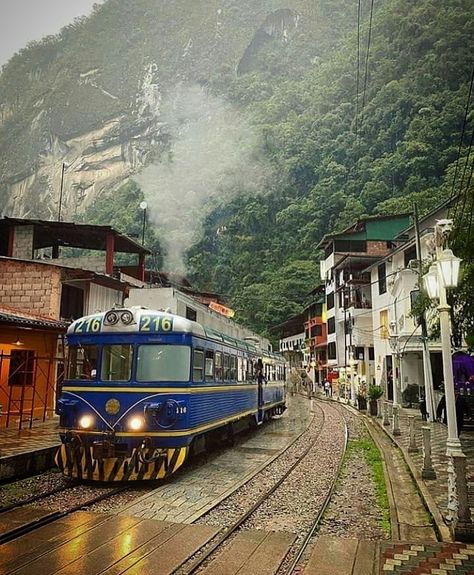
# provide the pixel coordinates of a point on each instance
(143, 387)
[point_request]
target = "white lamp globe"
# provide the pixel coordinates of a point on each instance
(430, 281)
(449, 268)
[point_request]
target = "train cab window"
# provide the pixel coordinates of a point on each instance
(116, 362)
(82, 362)
(163, 362)
(209, 366)
(198, 365)
(218, 366)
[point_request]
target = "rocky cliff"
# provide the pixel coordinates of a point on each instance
(91, 96)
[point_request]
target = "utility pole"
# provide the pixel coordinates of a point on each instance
(61, 192)
(143, 206)
(428, 375)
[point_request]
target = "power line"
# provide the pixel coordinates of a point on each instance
(367, 53)
(357, 81)
(461, 139)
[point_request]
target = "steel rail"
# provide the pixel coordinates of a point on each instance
(317, 521)
(51, 517)
(237, 524)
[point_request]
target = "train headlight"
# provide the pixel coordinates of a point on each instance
(136, 423)
(86, 421)
(126, 317)
(111, 318)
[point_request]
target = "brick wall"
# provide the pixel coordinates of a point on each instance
(31, 288)
(377, 248)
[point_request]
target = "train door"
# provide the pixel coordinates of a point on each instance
(259, 375)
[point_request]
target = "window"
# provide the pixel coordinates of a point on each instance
(330, 300)
(359, 353)
(331, 325)
(332, 350)
(218, 366)
(191, 313)
(163, 362)
(316, 330)
(82, 363)
(22, 367)
(226, 367)
(209, 366)
(409, 255)
(384, 324)
(371, 354)
(382, 276)
(198, 365)
(233, 368)
(116, 362)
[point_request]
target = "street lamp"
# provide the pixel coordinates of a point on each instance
(143, 206)
(444, 272)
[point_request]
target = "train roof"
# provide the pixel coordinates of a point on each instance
(144, 320)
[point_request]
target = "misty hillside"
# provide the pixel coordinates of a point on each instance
(261, 117)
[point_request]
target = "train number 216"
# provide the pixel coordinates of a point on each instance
(155, 323)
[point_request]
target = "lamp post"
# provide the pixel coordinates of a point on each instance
(443, 274)
(393, 340)
(63, 167)
(143, 206)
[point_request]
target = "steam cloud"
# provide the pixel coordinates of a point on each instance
(213, 157)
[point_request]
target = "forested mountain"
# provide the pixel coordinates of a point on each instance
(262, 118)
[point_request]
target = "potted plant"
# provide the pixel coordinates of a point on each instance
(361, 401)
(375, 392)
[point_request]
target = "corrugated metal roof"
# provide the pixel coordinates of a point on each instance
(20, 319)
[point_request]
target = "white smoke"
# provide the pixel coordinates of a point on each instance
(213, 156)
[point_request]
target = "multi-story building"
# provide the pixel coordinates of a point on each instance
(348, 254)
(315, 333)
(398, 343)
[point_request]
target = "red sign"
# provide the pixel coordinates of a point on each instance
(217, 307)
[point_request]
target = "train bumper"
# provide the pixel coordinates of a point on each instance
(82, 462)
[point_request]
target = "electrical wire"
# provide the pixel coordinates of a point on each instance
(461, 139)
(357, 81)
(367, 53)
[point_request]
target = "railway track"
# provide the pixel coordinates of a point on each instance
(43, 520)
(297, 551)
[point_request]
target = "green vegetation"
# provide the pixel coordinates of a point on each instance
(335, 156)
(367, 449)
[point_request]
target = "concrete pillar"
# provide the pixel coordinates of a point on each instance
(412, 448)
(427, 472)
(386, 420)
(390, 409)
(463, 528)
(395, 420)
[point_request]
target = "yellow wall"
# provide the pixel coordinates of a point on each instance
(44, 346)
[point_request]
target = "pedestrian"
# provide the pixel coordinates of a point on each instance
(424, 413)
(441, 415)
(462, 409)
(327, 387)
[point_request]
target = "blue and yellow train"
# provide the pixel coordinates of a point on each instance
(143, 387)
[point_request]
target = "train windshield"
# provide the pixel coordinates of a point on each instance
(163, 363)
(82, 362)
(116, 362)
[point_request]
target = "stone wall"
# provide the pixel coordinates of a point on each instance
(30, 287)
(23, 242)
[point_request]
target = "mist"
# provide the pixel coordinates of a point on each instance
(213, 156)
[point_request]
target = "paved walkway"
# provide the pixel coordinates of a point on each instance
(438, 488)
(41, 436)
(194, 491)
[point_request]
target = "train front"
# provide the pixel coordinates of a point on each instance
(123, 406)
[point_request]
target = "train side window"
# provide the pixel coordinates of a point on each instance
(226, 367)
(233, 367)
(218, 370)
(209, 366)
(198, 365)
